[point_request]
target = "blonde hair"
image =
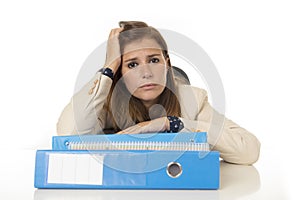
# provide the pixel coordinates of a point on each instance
(126, 110)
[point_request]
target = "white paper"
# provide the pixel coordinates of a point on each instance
(75, 169)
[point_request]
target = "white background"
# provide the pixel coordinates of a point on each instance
(255, 46)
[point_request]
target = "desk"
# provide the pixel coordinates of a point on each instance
(236, 182)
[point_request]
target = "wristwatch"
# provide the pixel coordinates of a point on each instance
(107, 72)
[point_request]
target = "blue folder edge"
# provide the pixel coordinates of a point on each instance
(198, 173)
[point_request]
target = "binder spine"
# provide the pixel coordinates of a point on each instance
(92, 141)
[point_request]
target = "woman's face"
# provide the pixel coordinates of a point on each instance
(144, 70)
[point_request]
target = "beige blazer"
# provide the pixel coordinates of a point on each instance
(235, 144)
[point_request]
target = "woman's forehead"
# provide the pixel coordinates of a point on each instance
(142, 46)
(142, 53)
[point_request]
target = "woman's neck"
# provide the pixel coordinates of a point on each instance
(150, 103)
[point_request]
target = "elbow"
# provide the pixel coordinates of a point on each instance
(61, 131)
(65, 125)
(256, 154)
(251, 151)
(246, 154)
(250, 154)
(66, 122)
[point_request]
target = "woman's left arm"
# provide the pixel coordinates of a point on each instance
(235, 144)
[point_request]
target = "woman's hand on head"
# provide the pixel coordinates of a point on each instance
(113, 54)
(156, 125)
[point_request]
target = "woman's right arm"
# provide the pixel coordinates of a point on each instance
(85, 114)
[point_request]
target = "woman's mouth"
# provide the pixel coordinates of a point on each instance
(148, 86)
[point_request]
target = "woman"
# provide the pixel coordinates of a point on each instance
(136, 92)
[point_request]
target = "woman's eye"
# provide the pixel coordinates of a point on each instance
(154, 60)
(132, 64)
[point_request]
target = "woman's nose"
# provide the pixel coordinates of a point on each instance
(146, 72)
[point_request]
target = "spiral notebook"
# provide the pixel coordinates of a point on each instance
(142, 161)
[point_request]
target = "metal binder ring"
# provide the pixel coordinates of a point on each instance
(174, 169)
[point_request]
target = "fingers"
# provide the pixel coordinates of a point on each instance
(145, 127)
(130, 130)
(113, 56)
(114, 32)
(138, 128)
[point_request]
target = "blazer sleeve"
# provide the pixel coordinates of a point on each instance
(235, 144)
(85, 114)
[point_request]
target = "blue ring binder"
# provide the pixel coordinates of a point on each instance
(183, 164)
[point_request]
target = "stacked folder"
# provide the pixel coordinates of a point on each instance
(137, 161)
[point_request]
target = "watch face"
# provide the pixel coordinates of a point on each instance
(107, 71)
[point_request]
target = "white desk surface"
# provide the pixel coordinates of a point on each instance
(237, 182)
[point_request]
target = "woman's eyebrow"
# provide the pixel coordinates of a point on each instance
(131, 59)
(152, 55)
(149, 56)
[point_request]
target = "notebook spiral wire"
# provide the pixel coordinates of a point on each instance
(139, 145)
